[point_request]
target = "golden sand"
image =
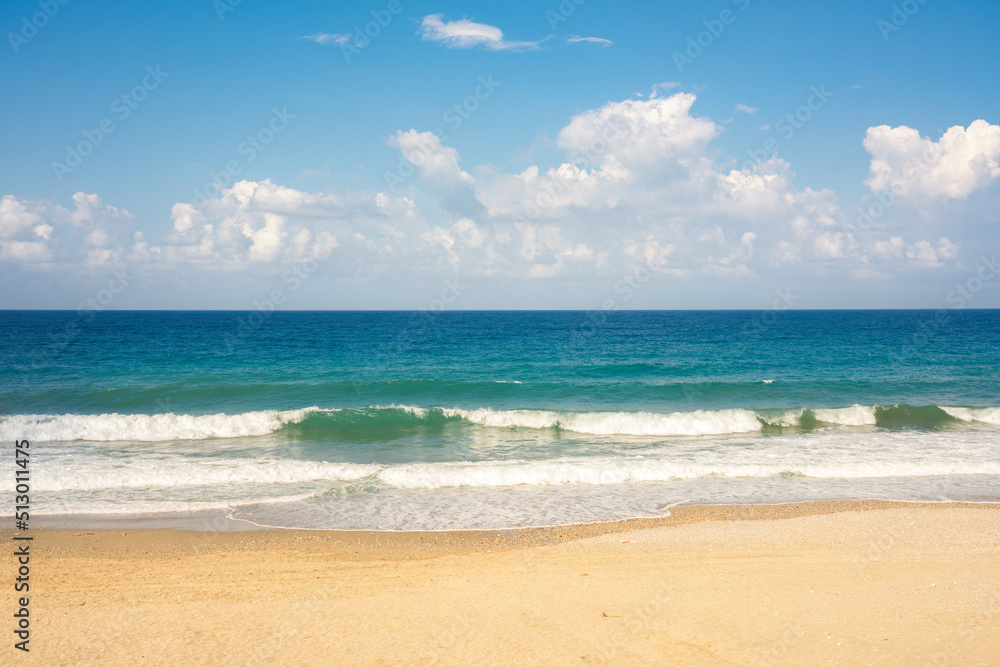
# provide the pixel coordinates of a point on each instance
(826, 583)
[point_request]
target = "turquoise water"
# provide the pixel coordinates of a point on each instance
(484, 419)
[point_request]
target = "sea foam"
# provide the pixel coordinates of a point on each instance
(984, 415)
(146, 428)
(618, 470)
(698, 422)
(148, 473)
(246, 473)
(855, 415)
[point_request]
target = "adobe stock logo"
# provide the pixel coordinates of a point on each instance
(122, 107)
(899, 17)
(47, 9)
(248, 149)
(363, 37)
(697, 44)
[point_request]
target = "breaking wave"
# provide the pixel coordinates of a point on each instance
(387, 421)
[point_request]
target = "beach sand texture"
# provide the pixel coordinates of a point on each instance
(830, 583)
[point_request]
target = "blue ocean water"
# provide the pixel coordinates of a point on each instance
(407, 420)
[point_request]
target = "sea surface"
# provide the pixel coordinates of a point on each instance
(443, 420)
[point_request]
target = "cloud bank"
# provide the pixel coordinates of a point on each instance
(640, 185)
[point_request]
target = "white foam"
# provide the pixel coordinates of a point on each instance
(985, 415)
(788, 419)
(698, 422)
(420, 413)
(146, 428)
(855, 415)
(506, 418)
(151, 473)
(621, 470)
(131, 505)
(243, 474)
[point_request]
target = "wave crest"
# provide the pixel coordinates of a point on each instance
(698, 422)
(984, 415)
(147, 428)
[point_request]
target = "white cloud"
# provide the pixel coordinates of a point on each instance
(929, 256)
(946, 249)
(637, 133)
(640, 185)
(637, 169)
(262, 223)
(186, 216)
(918, 170)
(640, 169)
(49, 236)
(600, 41)
(785, 252)
(746, 109)
(328, 38)
(465, 34)
(831, 245)
(438, 166)
(921, 254)
(664, 86)
(16, 217)
(893, 248)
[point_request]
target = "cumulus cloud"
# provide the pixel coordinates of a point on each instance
(465, 34)
(16, 217)
(46, 235)
(638, 133)
(438, 166)
(645, 167)
(260, 223)
(636, 169)
(917, 169)
(746, 109)
(639, 186)
(632, 156)
(923, 253)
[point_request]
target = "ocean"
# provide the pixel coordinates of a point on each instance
(449, 420)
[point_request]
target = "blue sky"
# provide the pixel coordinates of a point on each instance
(604, 172)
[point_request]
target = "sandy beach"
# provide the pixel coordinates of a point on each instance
(839, 583)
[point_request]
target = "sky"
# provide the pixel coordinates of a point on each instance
(242, 154)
